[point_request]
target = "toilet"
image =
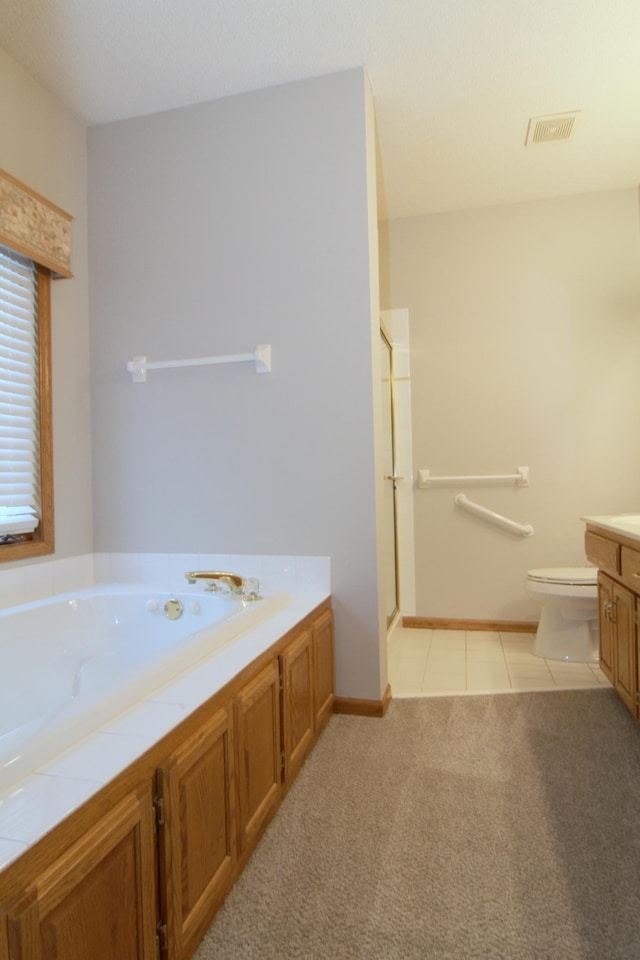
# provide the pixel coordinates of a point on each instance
(568, 627)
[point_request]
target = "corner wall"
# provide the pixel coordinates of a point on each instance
(525, 343)
(44, 146)
(213, 229)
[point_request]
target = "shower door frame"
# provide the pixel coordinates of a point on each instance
(393, 478)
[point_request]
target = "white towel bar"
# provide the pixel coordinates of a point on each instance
(524, 530)
(261, 356)
(521, 477)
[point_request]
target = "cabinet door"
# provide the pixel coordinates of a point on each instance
(197, 832)
(4, 946)
(607, 650)
(297, 703)
(97, 900)
(637, 696)
(323, 668)
(258, 744)
(624, 608)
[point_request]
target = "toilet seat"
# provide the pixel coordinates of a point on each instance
(569, 576)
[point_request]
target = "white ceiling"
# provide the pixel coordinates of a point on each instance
(455, 81)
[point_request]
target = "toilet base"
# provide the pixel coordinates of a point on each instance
(573, 641)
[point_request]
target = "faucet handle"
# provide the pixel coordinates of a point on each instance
(251, 589)
(214, 587)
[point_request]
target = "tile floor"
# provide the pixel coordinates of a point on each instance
(432, 663)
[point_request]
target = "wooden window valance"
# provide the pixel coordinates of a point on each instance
(34, 226)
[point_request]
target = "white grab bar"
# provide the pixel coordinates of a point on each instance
(524, 530)
(521, 477)
(261, 356)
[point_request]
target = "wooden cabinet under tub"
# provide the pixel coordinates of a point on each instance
(258, 723)
(298, 703)
(139, 871)
(97, 899)
(618, 560)
(196, 831)
(323, 668)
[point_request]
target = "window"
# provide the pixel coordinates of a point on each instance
(26, 484)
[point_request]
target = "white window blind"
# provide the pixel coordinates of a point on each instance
(19, 420)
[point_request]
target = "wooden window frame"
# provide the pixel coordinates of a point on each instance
(42, 541)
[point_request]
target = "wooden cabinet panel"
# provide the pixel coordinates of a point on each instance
(604, 553)
(98, 899)
(4, 946)
(198, 831)
(624, 608)
(618, 641)
(637, 661)
(630, 568)
(297, 703)
(258, 745)
(605, 603)
(323, 668)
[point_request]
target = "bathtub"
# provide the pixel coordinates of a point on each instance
(72, 662)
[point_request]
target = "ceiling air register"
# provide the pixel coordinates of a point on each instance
(552, 128)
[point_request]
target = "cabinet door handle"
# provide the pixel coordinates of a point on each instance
(636, 575)
(613, 606)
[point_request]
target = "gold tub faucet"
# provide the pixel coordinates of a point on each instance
(232, 580)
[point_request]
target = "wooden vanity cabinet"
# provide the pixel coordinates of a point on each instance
(607, 636)
(618, 643)
(98, 899)
(139, 872)
(626, 674)
(618, 588)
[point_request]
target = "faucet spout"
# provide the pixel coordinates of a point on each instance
(233, 581)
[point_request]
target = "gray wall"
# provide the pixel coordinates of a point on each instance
(213, 229)
(525, 343)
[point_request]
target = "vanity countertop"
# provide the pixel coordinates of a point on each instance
(625, 524)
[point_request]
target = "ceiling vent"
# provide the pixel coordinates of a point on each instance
(559, 126)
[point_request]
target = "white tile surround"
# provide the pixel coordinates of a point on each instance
(39, 580)
(36, 804)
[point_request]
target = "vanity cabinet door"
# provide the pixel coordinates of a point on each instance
(605, 603)
(259, 753)
(297, 703)
(624, 608)
(618, 643)
(323, 669)
(197, 832)
(98, 899)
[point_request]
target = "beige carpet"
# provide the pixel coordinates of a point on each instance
(456, 828)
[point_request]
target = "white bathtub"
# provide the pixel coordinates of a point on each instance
(72, 662)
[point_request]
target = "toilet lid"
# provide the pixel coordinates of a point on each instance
(568, 575)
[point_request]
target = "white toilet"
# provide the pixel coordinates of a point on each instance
(568, 627)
